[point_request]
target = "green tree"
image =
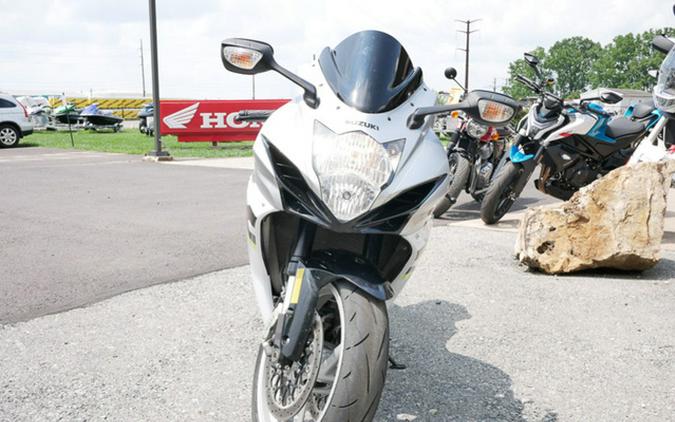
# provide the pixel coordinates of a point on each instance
(520, 67)
(625, 61)
(571, 61)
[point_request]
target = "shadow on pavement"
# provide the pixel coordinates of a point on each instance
(663, 270)
(471, 210)
(437, 384)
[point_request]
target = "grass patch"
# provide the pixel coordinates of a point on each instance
(131, 141)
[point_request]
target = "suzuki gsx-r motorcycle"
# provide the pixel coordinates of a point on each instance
(339, 208)
(575, 143)
(474, 151)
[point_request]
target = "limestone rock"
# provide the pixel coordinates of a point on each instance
(615, 222)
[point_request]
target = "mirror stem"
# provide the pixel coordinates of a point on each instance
(309, 96)
(459, 85)
(416, 118)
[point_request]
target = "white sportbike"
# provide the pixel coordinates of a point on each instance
(339, 208)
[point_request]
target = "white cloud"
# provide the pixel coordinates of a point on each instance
(77, 45)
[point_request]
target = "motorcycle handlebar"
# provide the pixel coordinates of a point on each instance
(253, 115)
(527, 82)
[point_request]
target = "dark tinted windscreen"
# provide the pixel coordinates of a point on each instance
(370, 71)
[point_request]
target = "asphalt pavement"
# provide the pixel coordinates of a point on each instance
(77, 227)
(484, 340)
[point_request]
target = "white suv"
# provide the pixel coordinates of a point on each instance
(14, 123)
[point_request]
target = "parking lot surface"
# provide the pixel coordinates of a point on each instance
(483, 340)
(78, 226)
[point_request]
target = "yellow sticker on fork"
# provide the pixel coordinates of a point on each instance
(297, 286)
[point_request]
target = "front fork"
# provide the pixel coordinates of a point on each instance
(294, 321)
(527, 163)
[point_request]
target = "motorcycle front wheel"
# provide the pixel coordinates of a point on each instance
(499, 196)
(460, 168)
(353, 364)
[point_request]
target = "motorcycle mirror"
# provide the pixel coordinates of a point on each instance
(249, 57)
(610, 97)
(486, 107)
(662, 44)
(450, 73)
(531, 59)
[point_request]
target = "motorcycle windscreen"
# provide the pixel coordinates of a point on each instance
(370, 71)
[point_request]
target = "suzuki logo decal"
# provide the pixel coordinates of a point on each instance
(179, 119)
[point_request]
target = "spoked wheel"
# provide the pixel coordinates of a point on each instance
(341, 372)
(500, 195)
(9, 136)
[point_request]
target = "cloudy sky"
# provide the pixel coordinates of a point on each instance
(75, 46)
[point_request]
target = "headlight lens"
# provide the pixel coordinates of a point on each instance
(492, 111)
(664, 91)
(476, 130)
(352, 169)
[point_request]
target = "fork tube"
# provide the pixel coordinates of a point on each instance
(303, 245)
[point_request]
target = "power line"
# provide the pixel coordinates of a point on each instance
(468, 33)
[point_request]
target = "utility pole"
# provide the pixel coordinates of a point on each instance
(157, 154)
(494, 84)
(142, 69)
(468, 33)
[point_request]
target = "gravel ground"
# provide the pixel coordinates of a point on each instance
(483, 340)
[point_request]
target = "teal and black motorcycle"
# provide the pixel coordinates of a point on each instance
(574, 142)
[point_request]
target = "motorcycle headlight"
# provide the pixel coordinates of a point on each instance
(664, 91)
(475, 130)
(352, 169)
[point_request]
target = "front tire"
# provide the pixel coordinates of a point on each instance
(460, 168)
(500, 196)
(359, 371)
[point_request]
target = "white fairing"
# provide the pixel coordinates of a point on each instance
(652, 148)
(578, 124)
(290, 130)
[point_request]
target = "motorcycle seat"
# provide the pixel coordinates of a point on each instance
(643, 110)
(622, 127)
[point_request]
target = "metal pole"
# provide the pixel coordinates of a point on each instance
(466, 57)
(253, 87)
(468, 33)
(157, 153)
(142, 69)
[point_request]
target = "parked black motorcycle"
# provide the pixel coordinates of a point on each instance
(474, 152)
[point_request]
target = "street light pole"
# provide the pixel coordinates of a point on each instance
(157, 153)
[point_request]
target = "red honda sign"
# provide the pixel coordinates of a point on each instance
(211, 120)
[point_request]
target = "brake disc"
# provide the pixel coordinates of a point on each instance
(288, 387)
